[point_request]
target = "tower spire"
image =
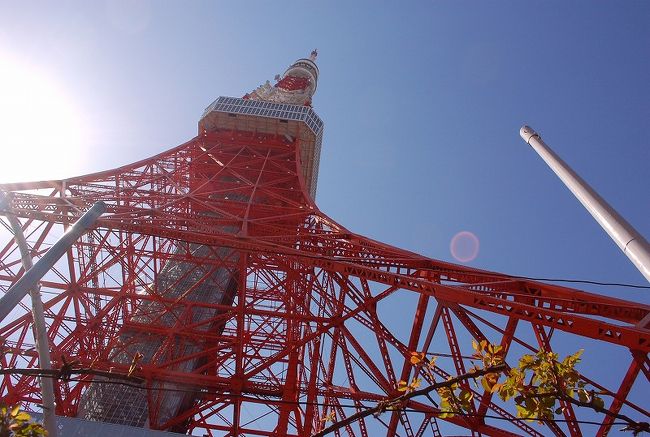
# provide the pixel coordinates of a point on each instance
(296, 86)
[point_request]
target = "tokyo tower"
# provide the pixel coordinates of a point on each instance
(247, 311)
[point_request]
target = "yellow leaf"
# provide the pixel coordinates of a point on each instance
(486, 384)
(15, 410)
(402, 386)
(416, 357)
(22, 416)
(526, 361)
(415, 383)
(329, 417)
(475, 345)
(466, 396)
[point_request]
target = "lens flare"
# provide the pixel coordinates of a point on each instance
(464, 246)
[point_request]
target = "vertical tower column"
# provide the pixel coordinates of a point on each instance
(249, 124)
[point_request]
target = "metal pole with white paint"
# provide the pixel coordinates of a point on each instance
(40, 331)
(631, 242)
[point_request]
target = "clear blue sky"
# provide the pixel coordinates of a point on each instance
(422, 106)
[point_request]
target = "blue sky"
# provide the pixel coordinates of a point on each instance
(422, 106)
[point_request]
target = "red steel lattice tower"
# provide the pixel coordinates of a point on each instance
(256, 314)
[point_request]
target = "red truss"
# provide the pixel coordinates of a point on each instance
(259, 315)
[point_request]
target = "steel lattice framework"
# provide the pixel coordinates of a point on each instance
(257, 314)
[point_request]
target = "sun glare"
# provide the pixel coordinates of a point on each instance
(40, 130)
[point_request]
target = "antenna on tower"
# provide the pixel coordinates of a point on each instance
(313, 55)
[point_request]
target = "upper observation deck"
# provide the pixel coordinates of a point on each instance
(281, 109)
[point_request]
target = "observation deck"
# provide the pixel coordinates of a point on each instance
(296, 122)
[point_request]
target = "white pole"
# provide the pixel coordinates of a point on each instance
(631, 242)
(40, 331)
(39, 327)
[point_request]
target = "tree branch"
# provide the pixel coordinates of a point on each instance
(634, 425)
(382, 406)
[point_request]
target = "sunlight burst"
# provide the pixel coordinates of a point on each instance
(41, 132)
